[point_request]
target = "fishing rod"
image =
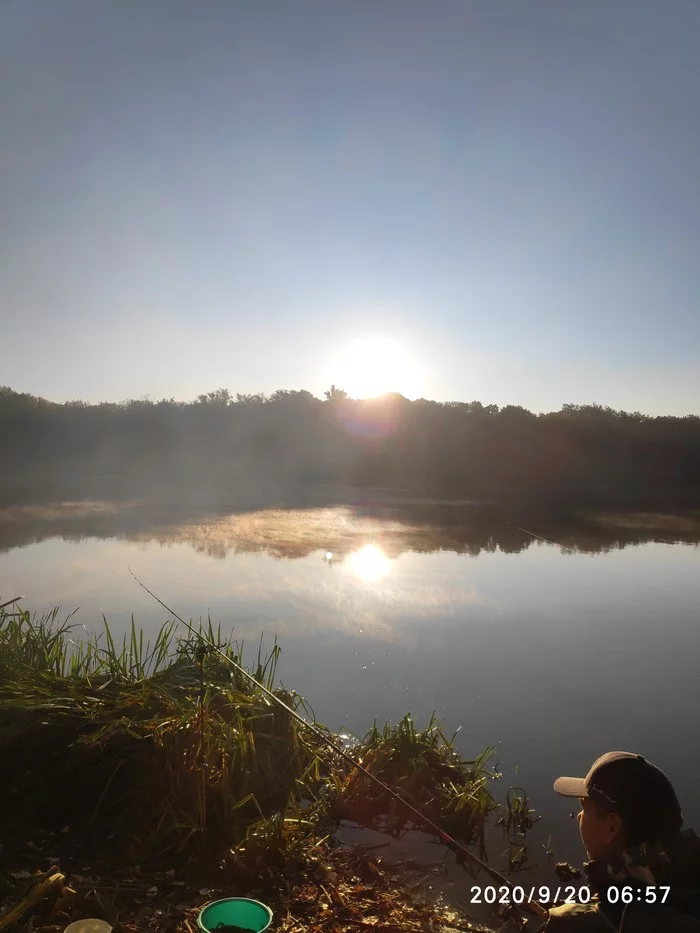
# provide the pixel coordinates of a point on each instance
(613, 567)
(533, 907)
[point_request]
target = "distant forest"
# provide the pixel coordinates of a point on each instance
(254, 447)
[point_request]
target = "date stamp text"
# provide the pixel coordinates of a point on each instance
(567, 894)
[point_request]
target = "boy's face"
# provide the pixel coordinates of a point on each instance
(601, 833)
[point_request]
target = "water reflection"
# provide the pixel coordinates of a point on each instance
(339, 531)
(368, 563)
(382, 610)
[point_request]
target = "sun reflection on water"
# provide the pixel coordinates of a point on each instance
(369, 563)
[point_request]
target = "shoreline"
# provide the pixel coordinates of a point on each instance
(288, 531)
(122, 771)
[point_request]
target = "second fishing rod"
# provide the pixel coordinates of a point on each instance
(532, 907)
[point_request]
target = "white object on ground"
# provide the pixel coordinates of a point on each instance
(88, 926)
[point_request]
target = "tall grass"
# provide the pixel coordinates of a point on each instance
(164, 749)
(423, 766)
(163, 742)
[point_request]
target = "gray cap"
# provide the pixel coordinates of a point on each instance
(630, 785)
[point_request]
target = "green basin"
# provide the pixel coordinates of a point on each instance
(235, 911)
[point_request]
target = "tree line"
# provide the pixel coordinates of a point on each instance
(226, 445)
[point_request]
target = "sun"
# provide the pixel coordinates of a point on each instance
(374, 366)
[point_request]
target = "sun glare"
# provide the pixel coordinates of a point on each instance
(374, 366)
(369, 563)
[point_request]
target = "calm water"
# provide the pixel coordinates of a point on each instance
(557, 656)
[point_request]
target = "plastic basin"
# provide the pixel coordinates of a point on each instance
(235, 911)
(88, 926)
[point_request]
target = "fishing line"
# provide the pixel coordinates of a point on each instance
(627, 573)
(533, 906)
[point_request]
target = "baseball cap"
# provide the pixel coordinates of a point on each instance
(630, 785)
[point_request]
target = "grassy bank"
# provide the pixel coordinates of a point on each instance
(162, 754)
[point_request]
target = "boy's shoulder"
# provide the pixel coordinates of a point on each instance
(577, 918)
(588, 918)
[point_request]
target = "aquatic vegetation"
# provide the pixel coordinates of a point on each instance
(163, 749)
(517, 820)
(424, 768)
(164, 741)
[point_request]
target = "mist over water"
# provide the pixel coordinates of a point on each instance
(555, 651)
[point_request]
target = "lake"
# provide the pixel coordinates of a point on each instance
(556, 650)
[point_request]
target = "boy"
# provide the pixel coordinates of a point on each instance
(644, 872)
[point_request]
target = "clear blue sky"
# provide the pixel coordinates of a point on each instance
(226, 192)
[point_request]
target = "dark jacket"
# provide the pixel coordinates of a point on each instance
(675, 863)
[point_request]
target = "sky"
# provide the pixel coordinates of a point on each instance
(461, 199)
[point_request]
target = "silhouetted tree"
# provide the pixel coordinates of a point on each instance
(580, 456)
(219, 397)
(335, 395)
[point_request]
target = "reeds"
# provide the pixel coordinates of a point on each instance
(164, 749)
(424, 768)
(163, 745)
